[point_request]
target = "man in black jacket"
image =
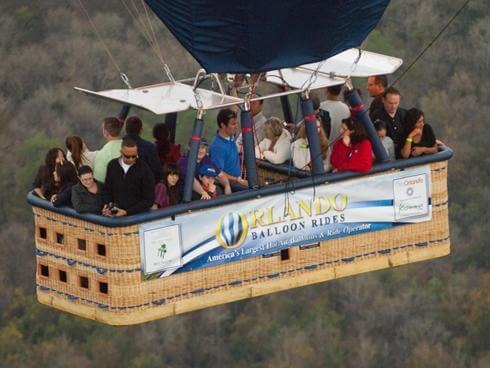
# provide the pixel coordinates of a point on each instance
(146, 150)
(129, 185)
(393, 116)
(376, 87)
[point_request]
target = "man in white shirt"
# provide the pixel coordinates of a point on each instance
(336, 109)
(259, 120)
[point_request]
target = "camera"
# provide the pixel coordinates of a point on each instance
(113, 208)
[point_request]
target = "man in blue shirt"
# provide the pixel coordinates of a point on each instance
(223, 149)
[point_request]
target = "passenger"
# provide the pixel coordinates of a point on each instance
(420, 138)
(45, 184)
(276, 146)
(203, 159)
(387, 142)
(111, 130)
(207, 181)
(301, 151)
(129, 184)
(394, 117)
(223, 149)
(336, 109)
(78, 153)
(66, 175)
(168, 152)
(146, 150)
(258, 119)
(168, 192)
(353, 152)
(86, 196)
(322, 116)
(376, 86)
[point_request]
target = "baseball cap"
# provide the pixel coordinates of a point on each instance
(207, 170)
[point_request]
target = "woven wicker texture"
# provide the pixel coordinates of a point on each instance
(109, 287)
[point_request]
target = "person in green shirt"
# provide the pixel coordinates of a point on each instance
(111, 130)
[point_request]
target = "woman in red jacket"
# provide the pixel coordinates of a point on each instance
(353, 151)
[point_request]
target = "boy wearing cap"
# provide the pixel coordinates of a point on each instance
(207, 182)
(203, 159)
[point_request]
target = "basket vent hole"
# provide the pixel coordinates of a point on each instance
(101, 251)
(60, 238)
(43, 234)
(104, 287)
(84, 282)
(284, 254)
(82, 244)
(62, 275)
(44, 270)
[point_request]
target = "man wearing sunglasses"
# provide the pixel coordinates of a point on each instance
(129, 183)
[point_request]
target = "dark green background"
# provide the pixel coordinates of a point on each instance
(432, 314)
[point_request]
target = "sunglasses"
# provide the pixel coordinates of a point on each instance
(130, 157)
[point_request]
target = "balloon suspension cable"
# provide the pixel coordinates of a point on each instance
(99, 37)
(348, 82)
(255, 83)
(125, 80)
(169, 72)
(246, 100)
(429, 45)
(349, 85)
(354, 65)
(199, 103)
(218, 82)
(285, 85)
(313, 77)
(201, 74)
(148, 31)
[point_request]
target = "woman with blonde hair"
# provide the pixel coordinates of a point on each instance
(301, 151)
(275, 147)
(78, 153)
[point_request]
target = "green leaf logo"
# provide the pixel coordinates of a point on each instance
(162, 250)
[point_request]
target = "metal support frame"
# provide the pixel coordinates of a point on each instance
(123, 114)
(286, 110)
(192, 159)
(171, 123)
(312, 133)
(361, 114)
(248, 140)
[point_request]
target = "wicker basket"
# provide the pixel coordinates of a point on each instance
(95, 271)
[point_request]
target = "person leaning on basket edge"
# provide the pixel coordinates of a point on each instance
(129, 183)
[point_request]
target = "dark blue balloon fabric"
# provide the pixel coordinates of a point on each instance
(246, 36)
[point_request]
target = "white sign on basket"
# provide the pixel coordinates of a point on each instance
(231, 232)
(162, 249)
(411, 197)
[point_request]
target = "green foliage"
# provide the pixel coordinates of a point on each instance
(24, 15)
(30, 155)
(433, 314)
(379, 42)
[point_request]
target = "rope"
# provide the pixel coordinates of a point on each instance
(432, 41)
(148, 33)
(96, 31)
(313, 77)
(139, 24)
(155, 40)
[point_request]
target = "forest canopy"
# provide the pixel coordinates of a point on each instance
(433, 314)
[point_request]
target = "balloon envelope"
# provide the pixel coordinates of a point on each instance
(246, 36)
